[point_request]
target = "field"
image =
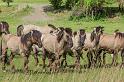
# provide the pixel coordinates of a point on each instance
(16, 14)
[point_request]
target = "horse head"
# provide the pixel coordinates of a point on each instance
(33, 37)
(66, 35)
(36, 37)
(78, 39)
(4, 28)
(96, 33)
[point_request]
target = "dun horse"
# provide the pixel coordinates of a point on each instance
(56, 44)
(76, 51)
(22, 45)
(91, 44)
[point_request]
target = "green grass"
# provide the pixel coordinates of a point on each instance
(28, 1)
(37, 74)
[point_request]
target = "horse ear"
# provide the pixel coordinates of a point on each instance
(52, 26)
(75, 33)
(117, 30)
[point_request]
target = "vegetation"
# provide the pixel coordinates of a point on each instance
(56, 3)
(8, 2)
(37, 74)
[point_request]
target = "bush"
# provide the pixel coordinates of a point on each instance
(90, 9)
(8, 2)
(71, 3)
(56, 3)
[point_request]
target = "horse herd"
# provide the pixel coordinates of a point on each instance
(56, 43)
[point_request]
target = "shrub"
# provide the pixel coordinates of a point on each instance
(56, 3)
(70, 3)
(8, 2)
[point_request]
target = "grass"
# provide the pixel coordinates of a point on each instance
(37, 74)
(28, 1)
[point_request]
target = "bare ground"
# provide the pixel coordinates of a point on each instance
(38, 14)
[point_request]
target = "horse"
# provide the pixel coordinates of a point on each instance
(111, 43)
(56, 44)
(23, 29)
(91, 44)
(78, 39)
(22, 45)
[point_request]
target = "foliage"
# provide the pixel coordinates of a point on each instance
(56, 3)
(8, 2)
(70, 3)
(94, 9)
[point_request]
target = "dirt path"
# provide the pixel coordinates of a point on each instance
(38, 13)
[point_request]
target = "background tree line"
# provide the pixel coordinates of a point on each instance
(94, 9)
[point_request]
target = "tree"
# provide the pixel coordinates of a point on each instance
(8, 2)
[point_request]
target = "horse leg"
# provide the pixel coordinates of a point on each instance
(36, 56)
(43, 57)
(4, 59)
(64, 60)
(104, 55)
(122, 57)
(11, 62)
(98, 58)
(56, 63)
(78, 59)
(114, 60)
(26, 61)
(89, 56)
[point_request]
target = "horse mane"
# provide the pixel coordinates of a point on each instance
(69, 31)
(60, 35)
(119, 35)
(19, 30)
(98, 28)
(82, 31)
(52, 26)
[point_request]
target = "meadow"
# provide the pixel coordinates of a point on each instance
(37, 74)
